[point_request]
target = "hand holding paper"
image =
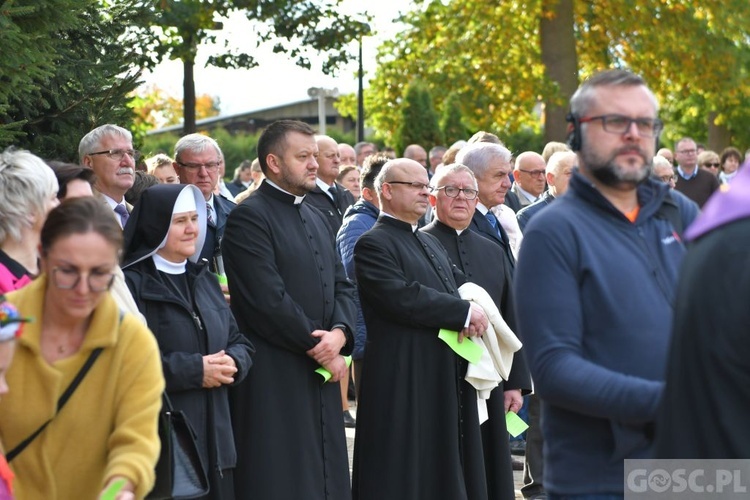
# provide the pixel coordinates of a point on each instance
(323, 372)
(515, 425)
(467, 350)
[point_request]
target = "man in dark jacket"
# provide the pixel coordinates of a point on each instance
(595, 285)
(197, 158)
(359, 219)
(328, 196)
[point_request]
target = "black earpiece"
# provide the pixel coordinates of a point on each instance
(574, 137)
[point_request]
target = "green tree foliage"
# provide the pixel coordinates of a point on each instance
(695, 54)
(67, 69)
(296, 28)
(155, 108)
(451, 123)
(419, 121)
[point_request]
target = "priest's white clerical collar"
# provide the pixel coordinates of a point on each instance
(297, 199)
(414, 227)
(458, 231)
(168, 267)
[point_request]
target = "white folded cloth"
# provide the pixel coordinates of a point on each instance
(498, 343)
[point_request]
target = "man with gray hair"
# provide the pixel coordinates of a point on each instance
(454, 197)
(415, 436)
(490, 164)
(436, 158)
(363, 150)
(108, 151)
(595, 288)
(197, 159)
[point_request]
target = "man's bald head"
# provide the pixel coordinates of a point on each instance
(328, 159)
(417, 153)
(403, 189)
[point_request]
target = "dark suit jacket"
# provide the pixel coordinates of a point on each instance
(481, 225)
(333, 212)
(211, 247)
(511, 199)
(236, 187)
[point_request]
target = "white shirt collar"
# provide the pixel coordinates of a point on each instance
(323, 186)
(525, 193)
(482, 209)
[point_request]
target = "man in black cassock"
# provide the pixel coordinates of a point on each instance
(454, 198)
(416, 439)
(291, 296)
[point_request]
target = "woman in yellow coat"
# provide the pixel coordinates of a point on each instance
(107, 431)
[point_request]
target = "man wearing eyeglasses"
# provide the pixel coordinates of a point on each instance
(595, 287)
(559, 169)
(693, 182)
(415, 437)
(529, 177)
(108, 151)
(197, 159)
(454, 198)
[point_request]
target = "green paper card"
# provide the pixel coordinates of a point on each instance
(114, 488)
(515, 424)
(467, 349)
(326, 374)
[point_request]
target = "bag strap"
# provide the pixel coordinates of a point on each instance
(60, 403)
(669, 210)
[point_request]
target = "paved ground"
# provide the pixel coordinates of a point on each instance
(517, 475)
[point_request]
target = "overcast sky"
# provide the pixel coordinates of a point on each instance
(277, 80)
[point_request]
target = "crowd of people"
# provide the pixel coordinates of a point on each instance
(325, 273)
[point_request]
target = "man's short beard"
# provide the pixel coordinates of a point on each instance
(610, 174)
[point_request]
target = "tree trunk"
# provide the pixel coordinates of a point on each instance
(559, 57)
(188, 96)
(719, 136)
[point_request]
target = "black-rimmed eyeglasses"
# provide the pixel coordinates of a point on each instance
(619, 124)
(416, 185)
(66, 278)
(453, 191)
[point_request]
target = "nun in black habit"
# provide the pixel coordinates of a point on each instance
(202, 350)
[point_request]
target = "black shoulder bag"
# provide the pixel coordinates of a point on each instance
(179, 472)
(60, 403)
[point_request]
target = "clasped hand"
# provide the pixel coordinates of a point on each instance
(218, 369)
(326, 352)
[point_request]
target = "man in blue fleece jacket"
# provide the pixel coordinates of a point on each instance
(595, 285)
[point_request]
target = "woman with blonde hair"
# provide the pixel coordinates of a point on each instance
(28, 191)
